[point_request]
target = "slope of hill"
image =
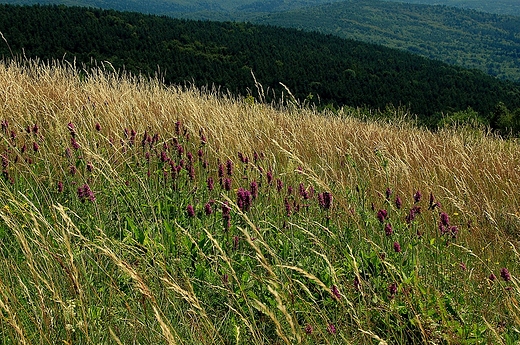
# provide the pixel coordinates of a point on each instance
(503, 7)
(315, 67)
(466, 38)
(197, 8)
(136, 213)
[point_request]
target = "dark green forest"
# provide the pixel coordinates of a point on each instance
(320, 69)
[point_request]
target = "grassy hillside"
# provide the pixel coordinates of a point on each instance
(133, 212)
(472, 39)
(317, 69)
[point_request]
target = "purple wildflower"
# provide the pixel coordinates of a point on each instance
(445, 220)
(74, 143)
(279, 185)
(269, 177)
(207, 209)
(392, 289)
(190, 211)
(244, 199)
(381, 215)
(308, 329)
(220, 171)
(335, 292)
(398, 203)
(504, 273)
(229, 167)
(492, 277)
(235, 242)
(417, 196)
(388, 229)
(98, 127)
(254, 189)
(72, 129)
(454, 231)
(60, 186)
(84, 193)
(36, 147)
(327, 200)
(388, 193)
(226, 215)
(227, 184)
(331, 328)
(397, 247)
(303, 192)
(210, 183)
(287, 206)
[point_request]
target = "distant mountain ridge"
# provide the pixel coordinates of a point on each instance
(468, 38)
(502, 7)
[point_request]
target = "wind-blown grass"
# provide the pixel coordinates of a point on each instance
(132, 212)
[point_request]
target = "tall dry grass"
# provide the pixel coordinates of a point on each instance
(473, 174)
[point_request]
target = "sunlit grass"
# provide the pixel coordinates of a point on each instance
(138, 213)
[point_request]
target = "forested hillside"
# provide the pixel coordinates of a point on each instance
(221, 9)
(466, 38)
(505, 7)
(322, 69)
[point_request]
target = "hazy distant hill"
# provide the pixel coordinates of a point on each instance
(222, 9)
(467, 38)
(505, 7)
(315, 67)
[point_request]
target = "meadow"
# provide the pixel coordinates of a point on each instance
(138, 213)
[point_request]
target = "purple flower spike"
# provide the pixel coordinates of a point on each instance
(398, 203)
(504, 273)
(388, 229)
(392, 289)
(279, 185)
(210, 183)
(190, 211)
(331, 328)
(207, 209)
(417, 196)
(227, 184)
(229, 167)
(335, 292)
(254, 189)
(388, 193)
(381, 215)
(397, 247)
(445, 220)
(308, 329)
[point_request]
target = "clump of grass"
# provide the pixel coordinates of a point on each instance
(133, 212)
